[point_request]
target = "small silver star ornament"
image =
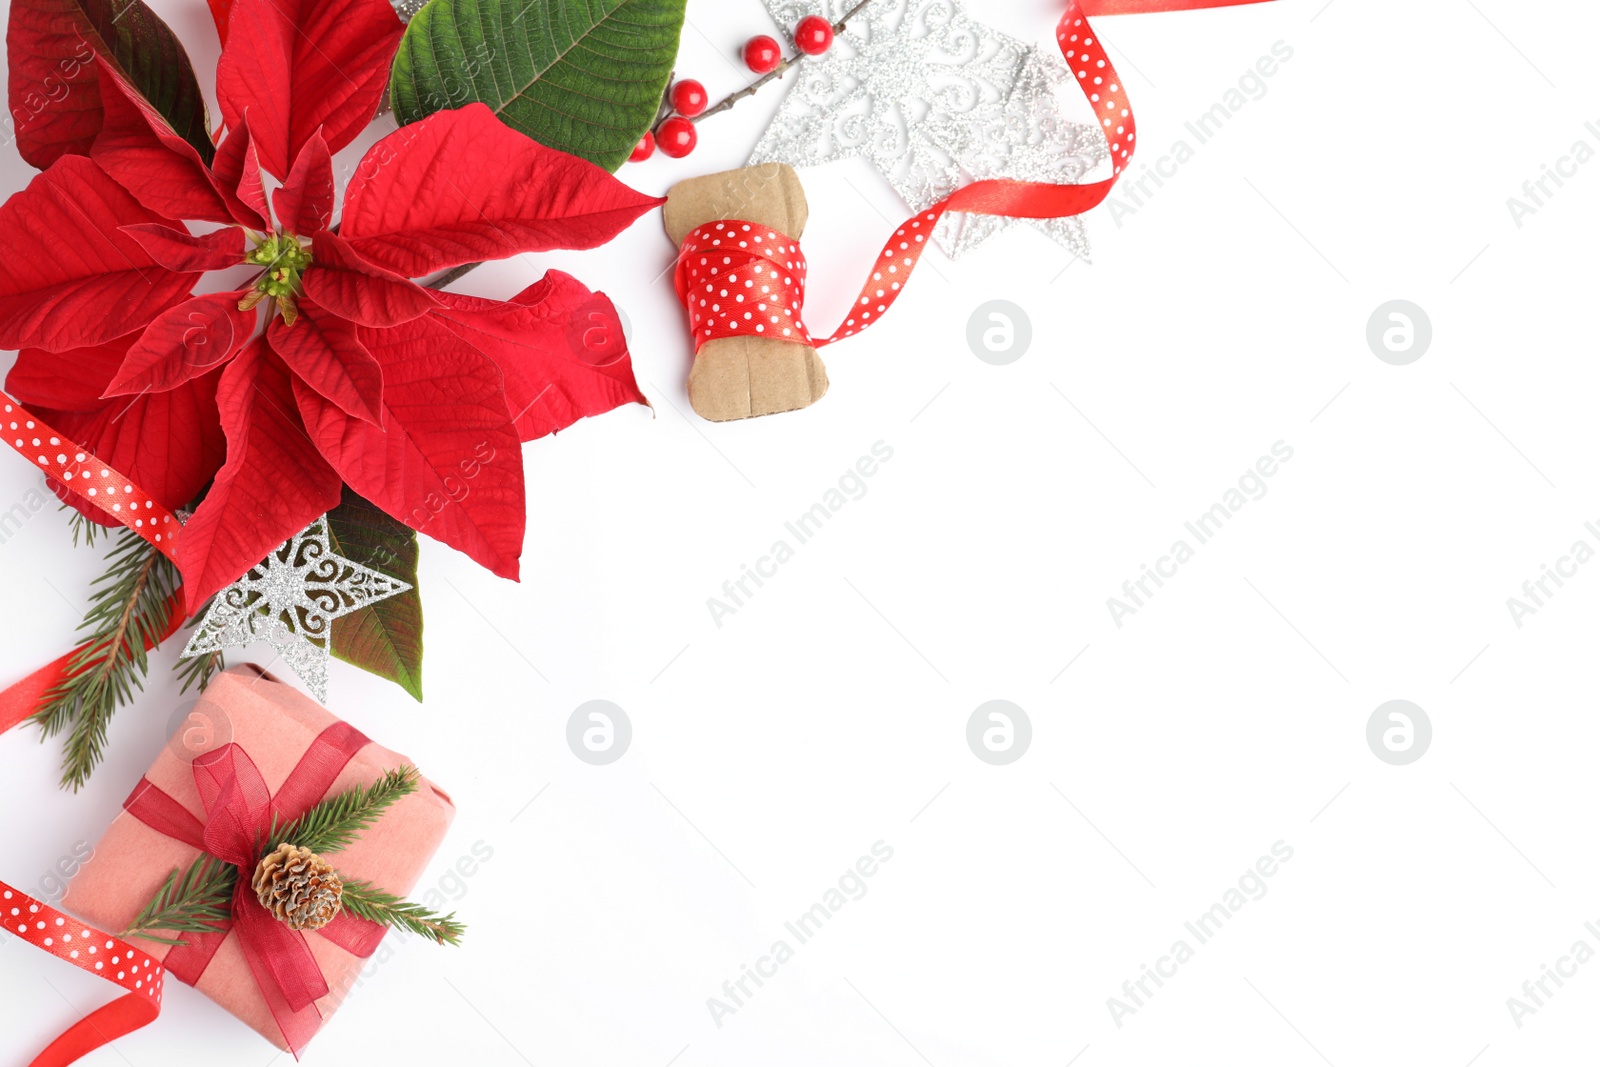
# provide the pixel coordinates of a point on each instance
(290, 599)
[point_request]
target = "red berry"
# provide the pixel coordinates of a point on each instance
(814, 35)
(763, 54)
(644, 149)
(689, 98)
(678, 137)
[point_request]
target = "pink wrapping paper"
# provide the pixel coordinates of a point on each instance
(275, 724)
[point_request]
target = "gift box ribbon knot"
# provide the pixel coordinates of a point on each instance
(240, 813)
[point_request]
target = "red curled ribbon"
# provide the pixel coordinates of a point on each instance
(239, 814)
(715, 269)
(103, 956)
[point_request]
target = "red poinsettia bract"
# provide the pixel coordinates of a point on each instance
(417, 399)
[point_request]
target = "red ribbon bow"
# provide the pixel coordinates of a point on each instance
(240, 813)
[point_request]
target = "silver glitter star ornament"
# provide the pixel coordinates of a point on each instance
(291, 599)
(933, 98)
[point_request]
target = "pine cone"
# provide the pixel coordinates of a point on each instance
(298, 887)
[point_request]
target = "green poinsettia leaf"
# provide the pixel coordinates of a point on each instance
(384, 638)
(583, 76)
(54, 87)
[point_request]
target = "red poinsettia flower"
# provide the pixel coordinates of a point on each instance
(417, 399)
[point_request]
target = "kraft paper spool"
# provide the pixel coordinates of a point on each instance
(741, 377)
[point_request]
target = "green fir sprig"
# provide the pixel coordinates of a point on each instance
(197, 671)
(336, 823)
(365, 901)
(82, 528)
(189, 902)
(130, 608)
(195, 900)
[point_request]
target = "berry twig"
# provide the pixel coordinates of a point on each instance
(673, 129)
(779, 71)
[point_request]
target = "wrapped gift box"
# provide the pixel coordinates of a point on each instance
(274, 724)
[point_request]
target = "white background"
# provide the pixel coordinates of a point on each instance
(829, 713)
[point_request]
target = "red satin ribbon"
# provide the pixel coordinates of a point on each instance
(23, 699)
(738, 279)
(709, 256)
(99, 953)
(82, 473)
(239, 812)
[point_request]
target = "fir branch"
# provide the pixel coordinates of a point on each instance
(198, 670)
(364, 901)
(198, 900)
(129, 610)
(82, 527)
(337, 822)
(195, 901)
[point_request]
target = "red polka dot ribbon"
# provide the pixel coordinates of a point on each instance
(738, 279)
(102, 955)
(83, 474)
